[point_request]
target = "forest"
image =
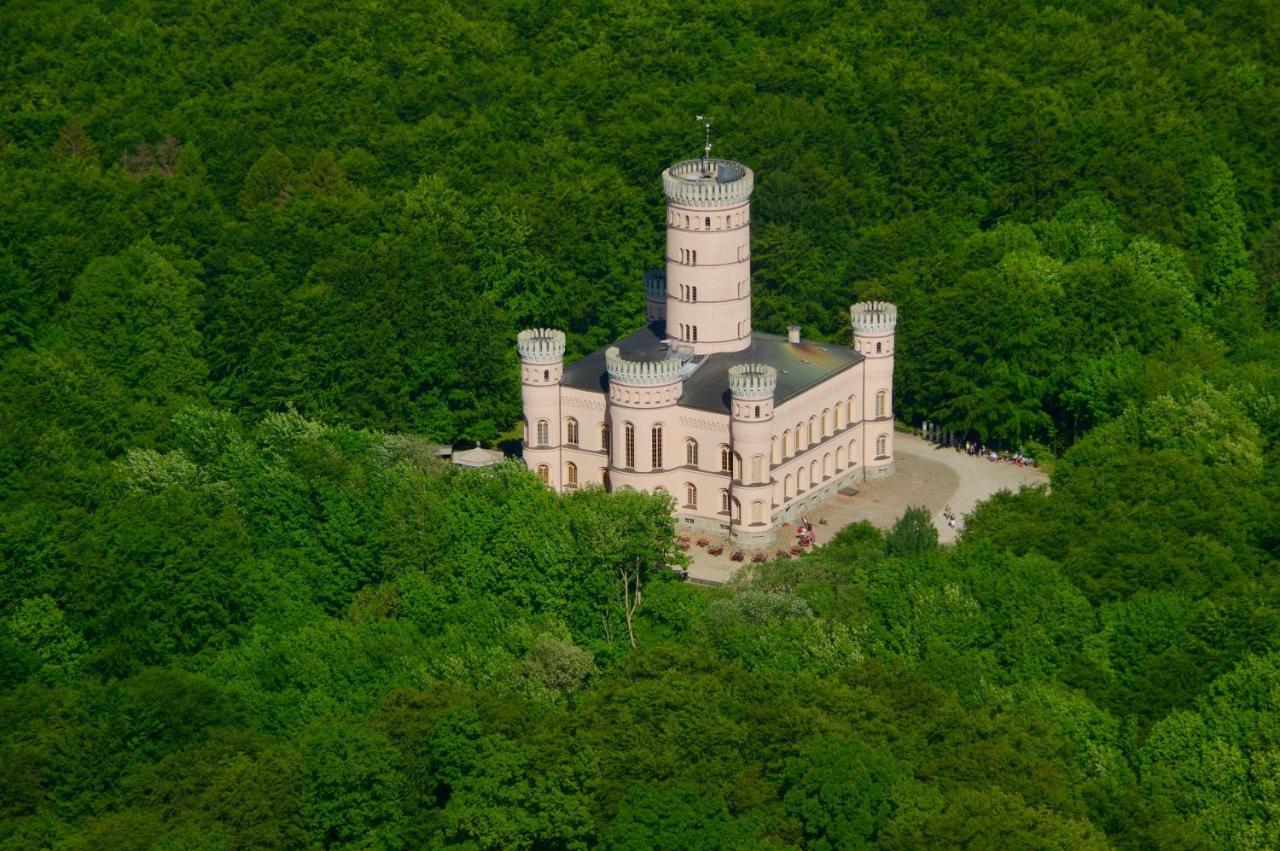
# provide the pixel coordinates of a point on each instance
(258, 258)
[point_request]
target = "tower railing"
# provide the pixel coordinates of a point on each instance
(708, 183)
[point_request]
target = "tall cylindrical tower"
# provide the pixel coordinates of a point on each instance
(643, 428)
(751, 387)
(873, 330)
(541, 367)
(709, 254)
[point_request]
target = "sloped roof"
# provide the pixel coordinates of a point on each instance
(800, 366)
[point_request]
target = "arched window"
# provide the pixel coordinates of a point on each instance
(836, 423)
(686, 221)
(708, 223)
(854, 416)
(737, 466)
(853, 452)
(826, 465)
(757, 512)
(695, 256)
(690, 495)
(757, 410)
(839, 457)
(629, 445)
(544, 431)
(694, 337)
(877, 348)
(757, 468)
(726, 459)
(786, 487)
(802, 480)
(799, 437)
(724, 501)
(881, 404)
(813, 472)
(544, 473)
(604, 440)
(735, 514)
(786, 438)
(881, 445)
(694, 292)
(691, 452)
(813, 425)
(571, 431)
(655, 439)
(824, 422)
(571, 475)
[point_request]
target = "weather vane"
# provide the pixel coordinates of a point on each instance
(706, 124)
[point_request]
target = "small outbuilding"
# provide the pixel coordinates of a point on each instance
(477, 456)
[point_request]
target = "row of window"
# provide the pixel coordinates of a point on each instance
(689, 257)
(688, 332)
(804, 436)
(804, 478)
(688, 293)
(726, 221)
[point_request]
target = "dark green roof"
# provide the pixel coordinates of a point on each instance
(800, 366)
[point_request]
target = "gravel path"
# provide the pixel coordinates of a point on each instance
(926, 475)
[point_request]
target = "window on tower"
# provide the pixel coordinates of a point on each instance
(694, 253)
(656, 438)
(571, 431)
(543, 432)
(694, 293)
(708, 223)
(694, 335)
(629, 445)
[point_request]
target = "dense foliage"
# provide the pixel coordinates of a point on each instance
(255, 256)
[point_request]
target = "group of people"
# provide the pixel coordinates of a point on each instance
(804, 531)
(972, 447)
(949, 516)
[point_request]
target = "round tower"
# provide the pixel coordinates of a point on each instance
(541, 368)
(643, 428)
(751, 388)
(708, 275)
(873, 330)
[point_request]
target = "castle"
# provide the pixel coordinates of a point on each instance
(745, 430)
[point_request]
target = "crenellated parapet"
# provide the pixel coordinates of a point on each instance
(541, 345)
(641, 373)
(752, 381)
(873, 318)
(708, 183)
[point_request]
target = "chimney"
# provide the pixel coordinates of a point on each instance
(793, 333)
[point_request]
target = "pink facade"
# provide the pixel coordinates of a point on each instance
(744, 430)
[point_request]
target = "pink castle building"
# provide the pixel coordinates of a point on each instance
(745, 430)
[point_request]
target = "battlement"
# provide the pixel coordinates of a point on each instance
(752, 381)
(708, 183)
(642, 373)
(540, 345)
(655, 284)
(873, 318)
